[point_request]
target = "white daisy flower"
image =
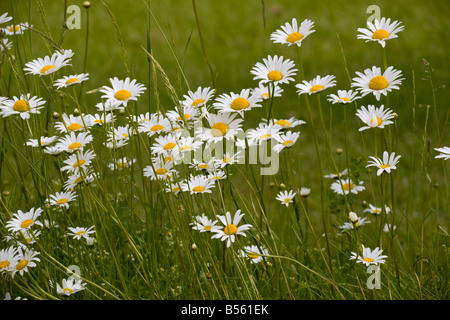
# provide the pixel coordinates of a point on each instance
(188, 113)
(222, 126)
(263, 132)
(316, 85)
(176, 187)
(388, 163)
(16, 29)
(74, 141)
(7, 44)
(388, 227)
(275, 70)
(202, 165)
(227, 159)
(286, 140)
(375, 210)
(160, 170)
(376, 82)
(8, 259)
(53, 150)
(41, 142)
(67, 81)
(100, 119)
(375, 117)
(69, 287)
(237, 102)
(78, 161)
(292, 33)
(48, 65)
(204, 224)
(343, 97)
(199, 184)
(118, 137)
(265, 92)
(188, 144)
(26, 258)
(336, 175)
(122, 91)
(304, 192)
(199, 98)
(72, 123)
(80, 232)
(121, 163)
(368, 256)
(108, 106)
(78, 177)
(216, 175)
(23, 106)
(380, 31)
(165, 145)
(231, 229)
(21, 221)
(445, 153)
(253, 253)
(62, 199)
(351, 225)
(156, 125)
(286, 197)
(348, 186)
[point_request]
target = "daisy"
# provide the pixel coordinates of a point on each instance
(368, 256)
(4, 18)
(202, 166)
(316, 85)
(62, 199)
(380, 31)
(8, 297)
(388, 228)
(24, 220)
(445, 153)
(347, 187)
(204, 224)
(80, 232)
(286, 197)
(53, 150)
(286, 140)
(274, 70)
(108, 106)
(121, 163)
(7, 44)
(16, 29)
(263, 132)
(165, 145)
(222, 126)
(388, 163)
(67, 81)
(188, 113)
(336, 175)
(74, 141)
(199, 184)
(23, 106)
(265, 92)
(176, 187)
(99, 119)
(122, 91)
(375, 210)
(72, 123)
(351, 225)
(30, 237)
(8, 259)
(292, 33)
(199, 98)
(48, 65)
(78, 177)
(304, 192)
(159, 170)
(41, 142)
(118, 137)
(237, 102)
(227, 159)
(375, 117)
(25, 259)
(254, 253)
(343, 97)
(231, 229)
(70, 287)
(156, 125)
(217, 175)
(188, 144)
(373, 81)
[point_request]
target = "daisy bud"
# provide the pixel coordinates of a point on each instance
(282, 186)
(339, 150)
(364, 204)
(395, 115)
(353, 217)
(208, 275)
(193, 247)
(272, 184)
(90, 241)
(304, 192)
(5, 193)
(55, 115)
(122, 111)
(86, 4)
(76, 111)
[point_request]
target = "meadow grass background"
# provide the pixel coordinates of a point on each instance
(236, 36)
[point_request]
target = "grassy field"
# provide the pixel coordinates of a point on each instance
(145, 246)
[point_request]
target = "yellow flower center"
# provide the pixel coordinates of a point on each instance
(379, 121)
(186, 147)
(75, 145)
(288, 143)
(315, 88)
(198, 189)
(12, 28)
(74, 127)
(368, 259)
(348, 186)
(203, 166)
(186, 116)
(125, 135)
(26, 223)
(219, 129)
(226, 160)
(22, 264)
(99, 121)
(67, 290)
(176, 189)
(239, 104)
(252, 255)
(78, 180)
(169, 146)
(265, 136)
(160, 171)
(230, 229)
(378, 83)
(71, 80)
(384, 166)
(294, 37)
(344, 99)
(121, 164)
(81, 232)
(79, 163)
(283, 123)
(21, 106)
(275, 75)
(122, 94)
(61, 201)
(287, 200)
(207, 228)
(156, 127)
(264, 95)
(197, 102)
(46, 68)
(380, 34)
(4, 264)
(376, 211)
(167, 159)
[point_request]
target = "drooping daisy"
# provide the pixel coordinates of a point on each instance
(122, 91)
(445, 153)
(8, 259)
(265, 92)
(222, 126)
(375, 117)
(286, 140)
(380, 31)
(375, 210)
(4, 18)
(159, 170)
(388, 163)
(336, 175)
(263, 132)
(80, 232)
(23, 106)
(53, 150)
(70, 286)
(67, 81)
(48, 65)
(343, 97)
(62, 199)
(231, 229)
(348, 186)
(72, 123)
(237, 102)
(275, 70)
(74, 141)
(17, 29)
(292, 33)
(286, 197)
(24, 220)
(41, 142)
(78, 177)
(198, 98)
(253, 253)
(156, 125)
(204, 224)
(376, 82)
(199, 184)
(351, 225)
(26, 258)
(316, 85)
(368, 256)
